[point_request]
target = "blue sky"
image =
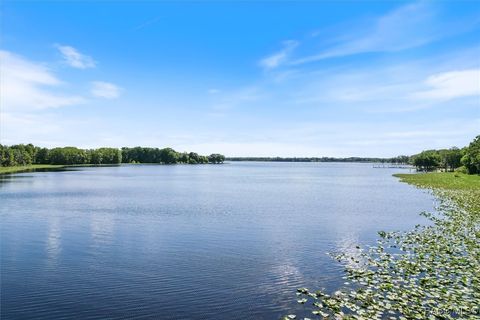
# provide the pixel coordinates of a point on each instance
(313, 78)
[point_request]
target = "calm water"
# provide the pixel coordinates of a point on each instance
(232, 241)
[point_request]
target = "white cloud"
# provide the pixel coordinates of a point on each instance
(25, 85)
(450, 85)
(280, 57)
(105, 90)
(76, 59)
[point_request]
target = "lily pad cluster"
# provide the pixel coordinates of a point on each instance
(430, 272)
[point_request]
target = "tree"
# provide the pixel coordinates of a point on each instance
(41, 156)
(7, 157)
(183, 157)
(105, 156)
(471, 159)
(68, 155)
(216, 158)
(22, 158)
(427, 160)
(451, 158)
(168, 156)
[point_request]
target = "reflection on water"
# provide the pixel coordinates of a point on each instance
(101, 229)
(350, 245)
(232, 241)
(53, 243)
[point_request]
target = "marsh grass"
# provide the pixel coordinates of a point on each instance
(430, 272)
(31, 167)
(442, 180)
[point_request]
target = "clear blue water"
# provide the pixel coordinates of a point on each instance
(230, 241)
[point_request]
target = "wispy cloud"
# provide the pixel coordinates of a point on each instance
(404, 86)
(76, 59)
(451, 85)
(280, 57)
(28, 85)
(105, 90)
(406, 27)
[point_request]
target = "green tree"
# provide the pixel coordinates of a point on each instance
(471, 159)
(168, 156)
(183, 157)
(427, 160)
(451, 158)
(68, 155)
(7, 157)
(41, 156)
(105, 156)
(216, 158)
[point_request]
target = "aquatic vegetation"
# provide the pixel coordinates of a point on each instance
(431, 272)
(15, 169)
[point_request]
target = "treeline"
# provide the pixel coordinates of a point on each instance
(167, 156)
(466, 159)
(398, 160)
(27, 154)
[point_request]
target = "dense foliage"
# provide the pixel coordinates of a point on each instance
(432, 272)
(471, 158)
(155, 155)
(446, 159)
(22, 155)
(450, 159)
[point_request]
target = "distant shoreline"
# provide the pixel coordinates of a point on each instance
(315, 159)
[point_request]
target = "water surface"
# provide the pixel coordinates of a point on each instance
(230, 241)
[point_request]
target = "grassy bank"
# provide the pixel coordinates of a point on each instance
(442, 180)
(28, 168)
(430, 272)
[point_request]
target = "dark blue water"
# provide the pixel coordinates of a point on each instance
(230, 241)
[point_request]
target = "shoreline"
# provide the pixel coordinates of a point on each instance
(441, 180)
(32, 167)
(409, 273)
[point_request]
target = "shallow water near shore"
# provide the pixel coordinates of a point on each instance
(229, 241)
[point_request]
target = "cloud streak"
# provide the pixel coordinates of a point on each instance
(451, 85)
(105, 90)
(75, 59)
(406, 27)
(280, 57)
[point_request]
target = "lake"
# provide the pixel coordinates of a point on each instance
(231, 241)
